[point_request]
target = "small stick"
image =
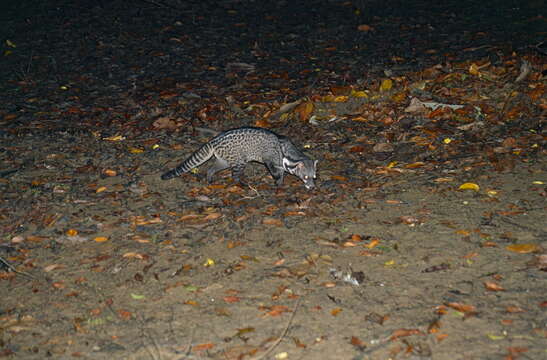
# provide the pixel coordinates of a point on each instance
(269, 350)
(9, 266)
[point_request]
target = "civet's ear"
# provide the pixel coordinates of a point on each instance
(315, 163)
(288, 163)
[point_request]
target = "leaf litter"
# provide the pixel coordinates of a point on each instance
(392, 255)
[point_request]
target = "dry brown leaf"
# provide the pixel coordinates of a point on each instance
(464, 308)
(492, 286)
(272, 221)
(213, 216)
(304, 110)
(523, 248)
(201, 347)
(135, 255)
(124, 314)
(355, 341)
(53, 267)
(277, 310)
(365, 28)
(231, 299)
(404, 332)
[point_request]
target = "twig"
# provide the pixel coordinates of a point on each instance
(252, 197)
(161, 4)
(152, 347)
(9, 266)
(280, 338)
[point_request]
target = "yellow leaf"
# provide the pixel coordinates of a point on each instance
(474, 69)
(304, 110)
(373, 243)
(10, 43)
(399, 97)
(114, 138)
(359, 94)
(72, 232)
(336, 311)
(134, 150)
(387, 84)
(523, 248)
(8, 52)
(391, 164)
(389, 263)
(100, 239)
(447, 140)
(415, 165)
(496, 337)
(101, 189)
(469, 186)
(340, 99)
(209, 262)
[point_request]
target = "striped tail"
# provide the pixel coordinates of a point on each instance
(203, 154)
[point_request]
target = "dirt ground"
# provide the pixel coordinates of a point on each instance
(424, 239)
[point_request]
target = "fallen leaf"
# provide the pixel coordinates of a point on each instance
(165, 123)
(386, 85)
(114, 138)
(209, 262)
(355, 341)
(231, 299)
(58, 285)
(304, 110)
(492, 286)
(72, 232)
(404, 332)
(514, 309)
(365, 28)
(523, 248)
(373, 243)
(277, 310)
(134, 255)
(134, 150)
(464, 308)
(441, 337)
(469, 186)
(272, 221)
(212, 216)
(244, 331)
(434, 327)
(201, 347)
(53, 267)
